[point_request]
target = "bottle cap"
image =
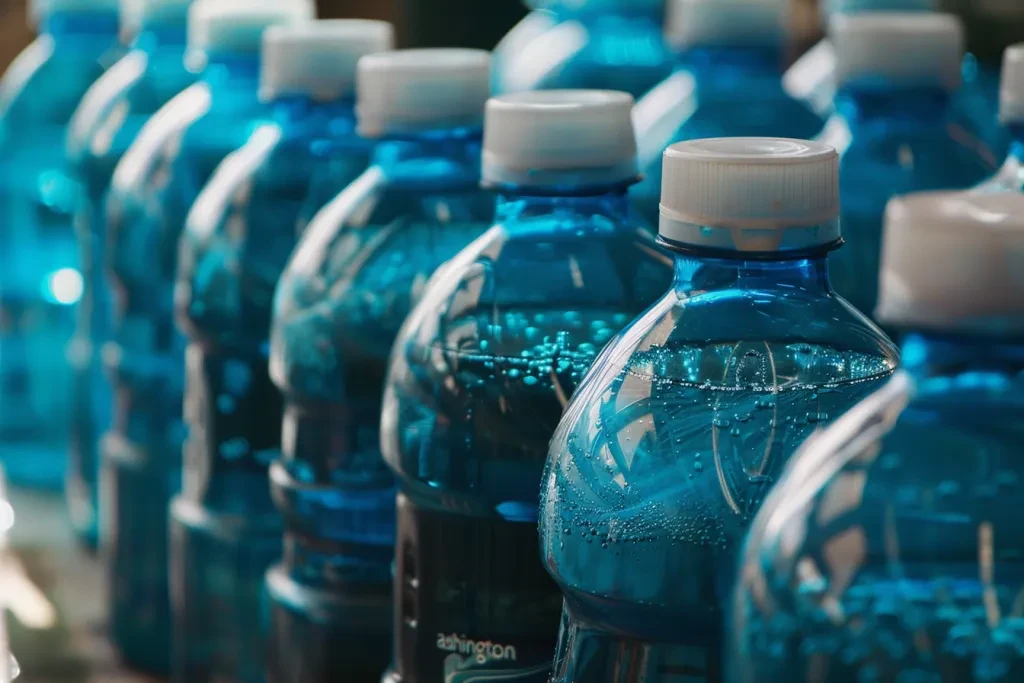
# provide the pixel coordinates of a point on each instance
(40, 9)
(410, 91)
(1011, 94)
(238, 25)
(138, 13)
(954, 261)
(560, 138)
(854, 6)
(902, 48)
(692, 23)
(760, 195)
(318, 59)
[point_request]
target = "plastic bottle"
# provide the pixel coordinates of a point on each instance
(236, 243)
(894, 129)
(727, 83)
(361, 266)
(614, 44)
(811, 79)
(41, 280)
(153, 188)
(1010, 176)
(891, 549)
(689, 415)
(482, 371)
(106, 122)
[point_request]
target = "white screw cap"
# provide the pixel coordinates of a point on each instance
(954, 261)
(138, 13)
(318, 59)
(419, 90)
(1011, 94)
(560, 137)
(900, 48)
(750, 194)
(854, 6)
(693, 23)
(239, 24)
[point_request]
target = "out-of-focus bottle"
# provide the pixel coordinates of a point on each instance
(1010, 176)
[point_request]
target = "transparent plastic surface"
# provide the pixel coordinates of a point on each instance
(106, 122)
(154, 187)
(715, 92)
(480, 375)
(669, 447)
(891, 550)
(41, 280)
(1010, 177)
(891, 142)
(590, 45)
(361, 266)
(236, 243)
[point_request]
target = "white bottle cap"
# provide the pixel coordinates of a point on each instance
(750, 194)
(692, 23)
(239, 24)
(558, 138)
(1011, 94)
(410, 91)
(954, 261)
(138, 13)
(317, 59)
(900, 48)
(854, 6)
(40, 9)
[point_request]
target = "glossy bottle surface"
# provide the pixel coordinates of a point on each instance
(105, 124)
(671, 444)
(480, 376)
(362, 265)
(41, 280)
(891, 143)
(893, 552)
(599, 44)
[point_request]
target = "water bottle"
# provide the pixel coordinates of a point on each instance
(727, 83)
(153, 187)
(1010, 176)
(890, 551)
(482, 370)
(894, 128)
(811, 78)
(690, 414)
(106, 122)
(613, 44)
(42, 279)
(362, 264)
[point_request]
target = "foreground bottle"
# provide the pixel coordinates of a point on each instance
(727, 83)
(153, 188)
(892, 548)
(677, 434)
(41, 279)
(106, 122)
(894, 128)
(613, 44)
(1010, 176)
(483, 369)
(361, 266)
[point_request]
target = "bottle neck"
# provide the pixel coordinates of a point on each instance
(445, 158)
(289, 109)
(606, 210)
(162, 36)
(595, 9)
(864, 103)
(225, 67)
(695, 273)
(72, 25)
(709, 62)
(928, 355)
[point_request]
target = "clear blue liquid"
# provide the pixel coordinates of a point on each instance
(41, 270)
(362, 265)
(478, 383)
(911, 549)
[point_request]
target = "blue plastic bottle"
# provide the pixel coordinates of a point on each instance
(106, 122)
(614, 44)
(1010, 176)
(690, 414)
(482, 371)
(41, 280)
(894, 128)
(363, 263)
(237, 240)
(727, 83)
(153, 187)
(891, 550)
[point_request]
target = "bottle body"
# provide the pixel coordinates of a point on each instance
(360, 268)
(42, 281)
(480, 376)
(918, 570)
